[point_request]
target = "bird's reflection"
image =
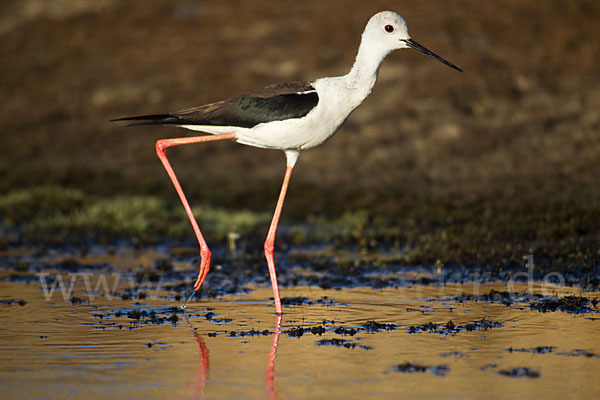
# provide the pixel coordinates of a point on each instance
(203, 368)
(204, 364)
(270, 371)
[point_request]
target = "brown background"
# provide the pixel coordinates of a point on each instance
(521, 121)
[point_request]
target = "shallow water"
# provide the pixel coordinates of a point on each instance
(57, 349)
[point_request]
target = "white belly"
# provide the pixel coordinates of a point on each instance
(292, 134)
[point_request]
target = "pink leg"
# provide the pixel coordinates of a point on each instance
(161, 147)
(270, 242)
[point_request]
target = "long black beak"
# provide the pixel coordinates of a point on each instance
(417, 46)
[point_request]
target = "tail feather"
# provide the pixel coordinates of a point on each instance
(153, 119)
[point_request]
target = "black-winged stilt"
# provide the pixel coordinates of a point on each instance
(292, 117)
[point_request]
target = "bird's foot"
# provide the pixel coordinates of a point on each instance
(182, 307)
(204, 267)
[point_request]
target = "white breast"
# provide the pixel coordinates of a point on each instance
(336, 102)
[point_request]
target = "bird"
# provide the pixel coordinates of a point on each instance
(292, 117)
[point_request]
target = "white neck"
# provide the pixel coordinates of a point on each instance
(364, 72)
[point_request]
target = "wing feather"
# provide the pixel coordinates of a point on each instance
(272, 103)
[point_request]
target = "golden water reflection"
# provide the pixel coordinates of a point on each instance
(204, 366)
(56, 349)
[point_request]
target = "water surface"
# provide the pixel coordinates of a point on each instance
(56, 348)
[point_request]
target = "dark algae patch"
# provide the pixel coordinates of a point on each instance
(373, 326)
(9, 302)
(251, 332)
(411, 368)
(211, 316)
(456, 354)
(534, 350)
(489, 366)
(493, 295)
(569, 304)
(301, 300)
(342, 343)
(450, 328)
(342, 330)
(552, 349)
(520, 372)
(580, 353)
(137, 318)
(299, 331)
(78, 300)
(322, 328)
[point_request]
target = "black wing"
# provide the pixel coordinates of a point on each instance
(272, 103)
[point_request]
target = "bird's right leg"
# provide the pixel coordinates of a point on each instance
(161, 147)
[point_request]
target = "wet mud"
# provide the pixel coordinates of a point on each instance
(171, 268)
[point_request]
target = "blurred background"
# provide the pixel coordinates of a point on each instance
(493, 163)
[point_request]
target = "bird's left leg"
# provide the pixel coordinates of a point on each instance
(270, 242)
(161, 147)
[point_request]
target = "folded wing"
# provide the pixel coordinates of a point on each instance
(272, 103)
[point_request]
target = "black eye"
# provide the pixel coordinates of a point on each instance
(389, 28)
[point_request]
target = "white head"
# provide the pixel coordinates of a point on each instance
(386, 31)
